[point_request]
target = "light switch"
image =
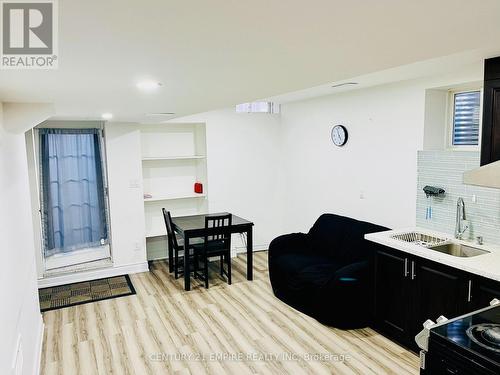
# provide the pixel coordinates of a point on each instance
(137, 246)
(134, 184)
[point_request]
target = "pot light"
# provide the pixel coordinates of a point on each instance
(107, 116)
(148, 85)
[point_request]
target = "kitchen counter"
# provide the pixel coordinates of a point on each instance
(486, 265)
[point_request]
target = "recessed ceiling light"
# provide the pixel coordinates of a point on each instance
(107, 116)
(148, 85)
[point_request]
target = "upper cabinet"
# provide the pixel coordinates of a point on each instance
(490, 145)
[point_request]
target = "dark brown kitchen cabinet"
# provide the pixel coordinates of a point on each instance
(392, 305)
(439, 290)
(483, 291)
(490, 141)
(409, 290)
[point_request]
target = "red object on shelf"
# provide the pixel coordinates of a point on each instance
(198, 187)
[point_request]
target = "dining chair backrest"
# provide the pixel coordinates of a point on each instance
(170, 228)
(218, 221)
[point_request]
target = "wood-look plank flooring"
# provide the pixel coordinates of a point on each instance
(237, 329)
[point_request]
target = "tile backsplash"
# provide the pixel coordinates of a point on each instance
(445, 169)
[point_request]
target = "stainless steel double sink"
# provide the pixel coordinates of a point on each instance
(442, 245)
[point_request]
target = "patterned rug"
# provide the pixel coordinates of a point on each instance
(61, 296)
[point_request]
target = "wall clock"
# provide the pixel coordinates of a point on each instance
(339, 135)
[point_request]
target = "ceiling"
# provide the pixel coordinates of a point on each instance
(214, 54)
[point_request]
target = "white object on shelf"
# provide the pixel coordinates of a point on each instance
(170, 197)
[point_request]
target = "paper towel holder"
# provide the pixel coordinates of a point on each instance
(433, 191)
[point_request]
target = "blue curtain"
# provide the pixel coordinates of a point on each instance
(73, 202)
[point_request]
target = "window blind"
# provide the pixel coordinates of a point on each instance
(466, 118)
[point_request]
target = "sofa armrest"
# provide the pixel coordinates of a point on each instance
(289, 244)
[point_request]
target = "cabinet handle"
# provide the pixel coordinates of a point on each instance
(406, 267)
(469, 293)
(413, 275)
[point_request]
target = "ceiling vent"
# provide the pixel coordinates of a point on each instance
(344, 84)
(160, 114)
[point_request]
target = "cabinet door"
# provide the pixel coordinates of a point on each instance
(483, 291)
(439, 290)
(490, 143)
(391, 294)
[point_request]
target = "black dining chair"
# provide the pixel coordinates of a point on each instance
(216, 244)
(176, 251)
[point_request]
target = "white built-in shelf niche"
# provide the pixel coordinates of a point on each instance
(173, 159)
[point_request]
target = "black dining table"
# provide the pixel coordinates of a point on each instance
(189, 227)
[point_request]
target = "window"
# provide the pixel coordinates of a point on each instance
(74, 201)
(258, 107)
(465, 118)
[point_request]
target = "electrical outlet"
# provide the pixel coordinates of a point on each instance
(474, 198)
(361, 194)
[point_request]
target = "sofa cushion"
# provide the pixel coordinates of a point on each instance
(329, 232)
(301, 271)
(342, 238)
(355, 248)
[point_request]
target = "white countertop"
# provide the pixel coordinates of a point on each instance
(486, 265)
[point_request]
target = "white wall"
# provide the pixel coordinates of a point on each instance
(295, 173)
(436, 108)
(122, 143)
(373, 176)
(123, 149)
(19, 309)
(244, 173)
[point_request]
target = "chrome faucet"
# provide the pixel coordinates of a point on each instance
(461, 222)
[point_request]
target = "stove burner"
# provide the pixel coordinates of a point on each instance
(486, 336)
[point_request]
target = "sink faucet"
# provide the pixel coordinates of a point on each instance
(461, 222)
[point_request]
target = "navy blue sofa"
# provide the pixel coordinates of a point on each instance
(327, 272)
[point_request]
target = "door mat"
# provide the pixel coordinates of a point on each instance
(58, 297)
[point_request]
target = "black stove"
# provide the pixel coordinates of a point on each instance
(485, 335)
(469, 344)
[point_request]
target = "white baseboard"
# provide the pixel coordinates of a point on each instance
(243, 249)
(92, 274)
(38, 350)
(156, 253)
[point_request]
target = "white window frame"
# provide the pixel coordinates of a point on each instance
(449, 119)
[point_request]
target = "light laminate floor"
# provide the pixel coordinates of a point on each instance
(238, 329)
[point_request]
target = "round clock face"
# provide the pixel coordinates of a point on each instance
(339, 135)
